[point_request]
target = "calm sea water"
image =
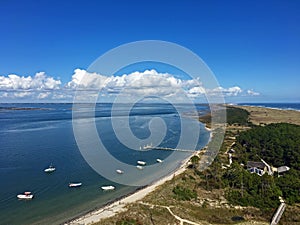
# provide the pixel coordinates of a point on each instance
(33, 139)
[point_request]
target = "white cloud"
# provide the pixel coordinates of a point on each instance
(84, 80)
(43, 95)
(252, 93)
(196, 91)
(39, 82)
(22, 94)
(232, 91)
(147, 83)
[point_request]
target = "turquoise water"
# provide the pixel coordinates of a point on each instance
(33, 139)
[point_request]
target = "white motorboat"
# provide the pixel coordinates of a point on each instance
(147, 147)
(50, 169)
(108, 188)
(120, 171)
(141, 163)
(26, 196)
(75, 184)
(159, 160)
(139, 167)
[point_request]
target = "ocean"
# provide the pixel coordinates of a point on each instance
(33, 139)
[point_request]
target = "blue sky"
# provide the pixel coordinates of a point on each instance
(252, 45)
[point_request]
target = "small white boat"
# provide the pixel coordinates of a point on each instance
(108, 188)
(50, 169)
(146, 147)
(159, 160)
(141, 163)
(75, 184)
(26, 196)
(139, 167)
(120, 171)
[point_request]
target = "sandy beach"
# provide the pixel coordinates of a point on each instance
(120, 205)
(262, 115)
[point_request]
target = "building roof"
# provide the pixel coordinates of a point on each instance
(283, 169)
(259, 165)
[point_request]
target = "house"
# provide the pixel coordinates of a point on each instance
(260, 168)
(257, 167)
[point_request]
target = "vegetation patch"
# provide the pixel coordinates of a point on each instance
(128, 221)
(185, 194)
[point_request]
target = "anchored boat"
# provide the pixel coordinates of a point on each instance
(26, 196)
(75, 184)
(108, 188)
(50, 169)
(141, 163)
(120, 171)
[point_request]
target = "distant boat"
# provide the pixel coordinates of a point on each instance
(108, 188)
(147, 146)
(120, 171)
(159, 160)
(75, 184)
(50, 169)
(141, 163)
(139, 167)
(26, 196)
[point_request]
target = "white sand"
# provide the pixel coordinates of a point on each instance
(120, 205)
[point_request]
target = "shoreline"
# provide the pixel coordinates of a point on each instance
(119, 205)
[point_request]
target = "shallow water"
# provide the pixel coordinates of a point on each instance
(33, 139)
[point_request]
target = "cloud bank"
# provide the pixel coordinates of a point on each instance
(42, 87)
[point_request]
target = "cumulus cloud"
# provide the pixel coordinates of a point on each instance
(232, 91)
(196, 91)
(22, 94)
(134, 81)
(252, 93)
(39, 82)
(43, 95)
(147, 83)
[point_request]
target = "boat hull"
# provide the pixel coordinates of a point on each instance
(74, 185)
(120, 171)
(49, 170)
(142, 163)
(24, 197)
(108, 188)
